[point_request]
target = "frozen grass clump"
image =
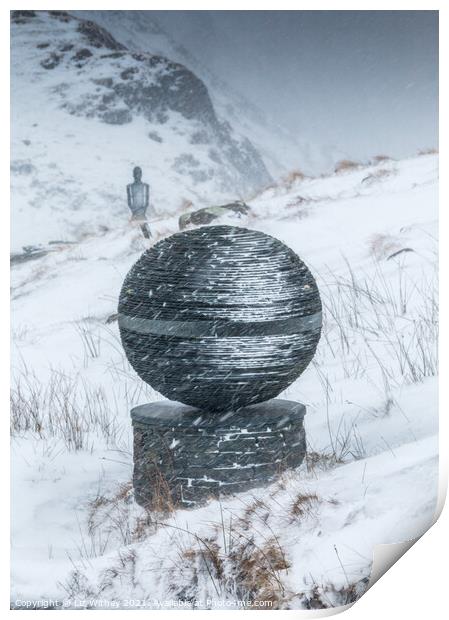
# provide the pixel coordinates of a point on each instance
(389, 325)
(66, 407)
(346, 165)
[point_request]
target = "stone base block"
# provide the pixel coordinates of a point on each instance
(184, 456)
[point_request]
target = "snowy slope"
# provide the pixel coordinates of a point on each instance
(281, 151)
(85, 110)
(369, 237)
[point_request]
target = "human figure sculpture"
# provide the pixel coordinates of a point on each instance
(138, 195)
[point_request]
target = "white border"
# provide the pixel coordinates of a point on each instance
(416, 585)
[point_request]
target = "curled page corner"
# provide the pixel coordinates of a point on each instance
(385, 556)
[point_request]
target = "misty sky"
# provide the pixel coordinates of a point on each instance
(363, 81)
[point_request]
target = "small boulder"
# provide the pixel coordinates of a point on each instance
(207, 215)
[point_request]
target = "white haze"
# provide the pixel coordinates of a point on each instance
(363, 82)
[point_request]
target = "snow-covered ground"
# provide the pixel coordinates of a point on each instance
(369, 236)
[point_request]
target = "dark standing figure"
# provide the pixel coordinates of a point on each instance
(138, 195)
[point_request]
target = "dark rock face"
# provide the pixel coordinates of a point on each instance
(21, 17)
(176, 89)
(183, 456)
(98, 36)
(117, 117)
(51, 61)
(82, 54)
(219, 317)
(61, 16)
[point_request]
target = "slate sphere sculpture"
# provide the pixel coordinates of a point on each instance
(219, 317)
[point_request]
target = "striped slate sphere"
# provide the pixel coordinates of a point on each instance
(219, 317)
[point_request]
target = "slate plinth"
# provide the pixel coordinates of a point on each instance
(184, 456)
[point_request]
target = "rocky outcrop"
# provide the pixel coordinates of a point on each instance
(203, 217)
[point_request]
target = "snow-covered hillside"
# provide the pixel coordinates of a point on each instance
(369, 236)
(281, 151)
(85, 110)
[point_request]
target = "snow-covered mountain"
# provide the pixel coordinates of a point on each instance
(86, 109)
(371, 473)
(281, 151)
